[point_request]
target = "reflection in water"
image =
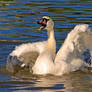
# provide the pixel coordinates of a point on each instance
(18, 25)
(69, 83)
(25, 82)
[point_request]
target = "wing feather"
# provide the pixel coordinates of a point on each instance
(25, 55)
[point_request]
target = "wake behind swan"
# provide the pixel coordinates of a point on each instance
(75, 54)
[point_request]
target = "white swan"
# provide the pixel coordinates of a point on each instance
(69, 58)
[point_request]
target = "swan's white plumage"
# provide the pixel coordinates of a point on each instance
(44, 62)
(68, 58)
(29, 47)
(23, 51)
(71, 40)
(25, 55)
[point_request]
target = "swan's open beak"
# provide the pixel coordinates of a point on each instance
(43, 23)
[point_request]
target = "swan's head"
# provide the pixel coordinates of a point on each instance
(46, 22)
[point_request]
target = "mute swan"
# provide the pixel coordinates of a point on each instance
(70, 57)
(27, 54)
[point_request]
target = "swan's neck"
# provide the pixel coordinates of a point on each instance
(51, 42)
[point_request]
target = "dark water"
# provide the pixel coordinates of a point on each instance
(18, 25)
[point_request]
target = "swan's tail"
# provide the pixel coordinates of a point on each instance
(14, 64)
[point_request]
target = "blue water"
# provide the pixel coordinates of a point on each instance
(18, 25)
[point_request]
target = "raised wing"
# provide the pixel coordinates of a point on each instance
(25, 55)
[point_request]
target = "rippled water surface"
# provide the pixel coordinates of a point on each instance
(18, 25)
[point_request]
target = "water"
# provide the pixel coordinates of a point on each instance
(18, 25)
